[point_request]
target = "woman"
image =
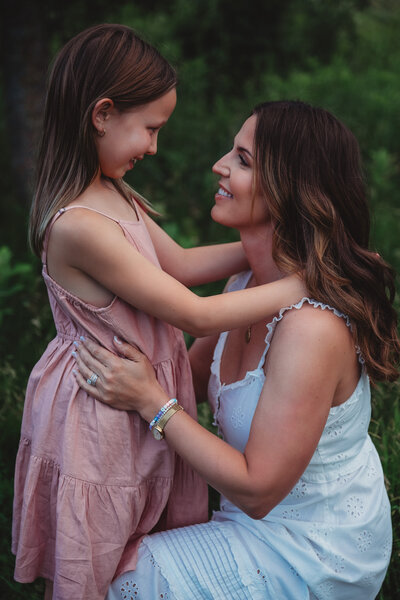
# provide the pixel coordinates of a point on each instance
(304, 512)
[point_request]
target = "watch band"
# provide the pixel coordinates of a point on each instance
(158, 428)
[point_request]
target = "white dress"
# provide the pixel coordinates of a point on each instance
(329, 539)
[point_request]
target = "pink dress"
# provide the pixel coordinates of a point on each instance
(90, 480)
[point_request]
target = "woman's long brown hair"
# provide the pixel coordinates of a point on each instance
(308, 168)
(104, 61)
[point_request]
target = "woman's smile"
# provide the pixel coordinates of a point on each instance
(222, 192)
(235, 203)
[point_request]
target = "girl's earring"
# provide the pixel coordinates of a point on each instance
(101, 133)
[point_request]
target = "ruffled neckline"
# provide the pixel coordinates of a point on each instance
(258, 372)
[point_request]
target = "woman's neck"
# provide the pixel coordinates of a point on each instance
(257, 244)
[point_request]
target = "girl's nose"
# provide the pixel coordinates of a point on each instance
(153, 146)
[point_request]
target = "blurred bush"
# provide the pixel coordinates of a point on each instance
(343, 55)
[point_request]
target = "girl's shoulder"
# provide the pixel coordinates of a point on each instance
(75, 221)
(106, 200)
(79, 229)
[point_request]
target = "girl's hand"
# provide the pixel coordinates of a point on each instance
(124, 383)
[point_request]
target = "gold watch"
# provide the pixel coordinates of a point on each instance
(158, 428)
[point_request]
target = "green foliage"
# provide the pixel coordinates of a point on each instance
(385, 433)
(25, 327)
(343, 55)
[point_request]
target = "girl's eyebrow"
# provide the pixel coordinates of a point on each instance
(241, 149)
(158, 125)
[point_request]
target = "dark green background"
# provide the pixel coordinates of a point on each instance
(343, 55)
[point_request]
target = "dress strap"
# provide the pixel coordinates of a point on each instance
(272, 325)
(99, 212)
(61, 212)
(239, 283)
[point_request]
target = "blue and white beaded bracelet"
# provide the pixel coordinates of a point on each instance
(162, 412)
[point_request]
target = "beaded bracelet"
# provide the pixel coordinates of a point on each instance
(162, 411)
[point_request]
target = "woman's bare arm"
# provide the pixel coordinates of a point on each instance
(304, 368)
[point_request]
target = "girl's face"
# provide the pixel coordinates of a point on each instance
(234, 205)
(131, 134)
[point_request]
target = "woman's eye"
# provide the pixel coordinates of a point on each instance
(243, 161)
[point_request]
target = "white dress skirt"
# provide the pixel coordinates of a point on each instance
(329, 539)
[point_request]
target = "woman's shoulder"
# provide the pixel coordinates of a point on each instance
(310, 321)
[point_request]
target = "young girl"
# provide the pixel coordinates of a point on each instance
(91, 481)
(304, 512)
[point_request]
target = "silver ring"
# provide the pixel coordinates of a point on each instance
(92, 379)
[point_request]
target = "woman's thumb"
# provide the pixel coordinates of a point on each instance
(127, 350)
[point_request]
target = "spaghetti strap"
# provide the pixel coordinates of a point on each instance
(239, 283)
(65, 209)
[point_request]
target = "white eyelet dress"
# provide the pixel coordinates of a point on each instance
(329, 539)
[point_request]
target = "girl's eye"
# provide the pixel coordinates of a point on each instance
(243, 161)
(153, 129)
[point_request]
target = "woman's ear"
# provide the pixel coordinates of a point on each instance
(100, 113)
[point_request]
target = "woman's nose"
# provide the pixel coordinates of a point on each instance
(221, 167)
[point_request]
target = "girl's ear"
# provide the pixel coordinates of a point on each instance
(100, 114)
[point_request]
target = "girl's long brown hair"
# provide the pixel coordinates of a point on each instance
(308, 168)
(104, 61)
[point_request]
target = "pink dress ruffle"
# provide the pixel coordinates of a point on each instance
(90, 480)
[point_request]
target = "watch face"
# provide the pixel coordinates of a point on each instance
(157, 433)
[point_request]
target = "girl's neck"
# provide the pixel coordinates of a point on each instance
(257, 244)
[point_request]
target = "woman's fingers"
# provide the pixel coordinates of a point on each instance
(127, 350)
(92, 360)
(90, 389)
(97, 353)
(100, 389)
(87, 367)
(87, 360)
(125, 381)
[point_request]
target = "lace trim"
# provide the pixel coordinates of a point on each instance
(258, 372)
(271, 326)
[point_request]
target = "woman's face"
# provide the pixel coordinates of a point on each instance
(234, 205)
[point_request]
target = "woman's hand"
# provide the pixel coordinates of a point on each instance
(124, 383)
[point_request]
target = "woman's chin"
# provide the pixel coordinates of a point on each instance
(218, 216)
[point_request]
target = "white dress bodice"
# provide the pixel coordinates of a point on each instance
(328, 539)
(345, 436)
(332, 506)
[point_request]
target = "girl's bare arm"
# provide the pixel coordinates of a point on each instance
(194, 266)
(97, 247)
